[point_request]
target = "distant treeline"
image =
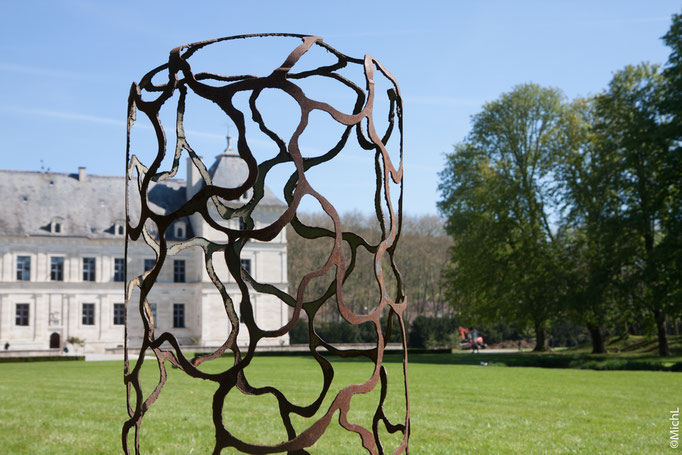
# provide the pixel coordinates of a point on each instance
(420, 258)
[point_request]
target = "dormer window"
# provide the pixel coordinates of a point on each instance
(119, 228)
(180, 230)
(57, 226)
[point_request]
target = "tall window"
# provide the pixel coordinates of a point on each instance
(88, 269)
(21, 311)
(119, 269)
(179, 270)
(178, 315)
(149, 264)
(23, 268)
(246, 265)
(57, 268)
(88, 314)
(242, 224)
(119, 314)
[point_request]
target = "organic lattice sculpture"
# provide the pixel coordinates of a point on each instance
(145, 224)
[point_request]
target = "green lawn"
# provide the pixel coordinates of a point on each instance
(78, 408)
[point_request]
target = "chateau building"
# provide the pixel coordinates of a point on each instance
(62, 266)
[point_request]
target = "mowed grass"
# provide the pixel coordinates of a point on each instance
(78, 408)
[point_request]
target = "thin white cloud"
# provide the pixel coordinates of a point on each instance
(254, 142)
(444, 101)
(40, 71)
(205, 134)
(63, 115)
(393, 32)
(92, 119)
(625, 21)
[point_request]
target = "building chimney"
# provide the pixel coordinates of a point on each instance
(81, 174)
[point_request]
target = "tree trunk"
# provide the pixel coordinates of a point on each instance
(631, 329)
(598, 345)
(663, 348)
(540, 337)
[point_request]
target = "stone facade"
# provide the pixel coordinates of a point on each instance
(62, 253)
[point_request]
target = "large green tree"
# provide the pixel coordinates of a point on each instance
(594, 250)
(499, 190)
(631, 127)
(671, 108)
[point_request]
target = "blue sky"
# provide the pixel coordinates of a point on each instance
(66, 68)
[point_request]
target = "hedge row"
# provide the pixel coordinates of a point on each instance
(41, 358)
(423, 333)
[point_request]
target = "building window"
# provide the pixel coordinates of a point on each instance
(246, 265)
(179, 271)
(179, 315)
(21, 314)
(242, 225)
(88, 314)
(88, 269)
(120, 230)
(56, 225)
(23, 268)
(152, 306)
(119, 313)
(119, 269)
(149, 264)
(179, 230)
(57, 268)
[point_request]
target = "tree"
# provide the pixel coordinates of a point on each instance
(421, 257)
(671, 101)
(671, 107)
(631, 127)
(499, 193)
(591, 229)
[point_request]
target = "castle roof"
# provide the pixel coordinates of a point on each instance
(230, 170)
(92, 206)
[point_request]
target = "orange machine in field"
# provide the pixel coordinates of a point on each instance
(468, 339)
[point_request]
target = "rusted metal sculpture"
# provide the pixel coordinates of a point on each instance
(147, 98)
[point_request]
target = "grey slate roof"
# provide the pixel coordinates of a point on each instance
(230, 170)
(31, 201)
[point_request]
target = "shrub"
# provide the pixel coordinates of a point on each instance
(341, 332)
(299, 333)
(428, 332)
(676, 366)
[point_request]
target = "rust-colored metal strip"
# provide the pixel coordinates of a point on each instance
(150, 226)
